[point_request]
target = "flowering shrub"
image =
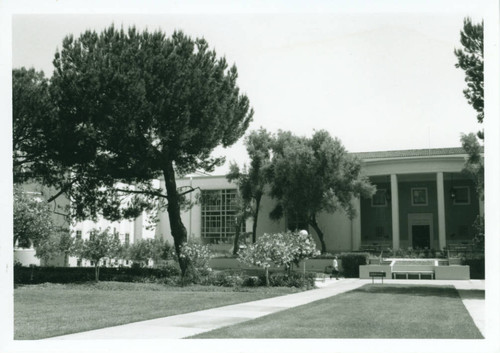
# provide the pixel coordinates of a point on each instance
(280, 249)
(197, 257)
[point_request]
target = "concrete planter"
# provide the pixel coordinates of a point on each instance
(452, 272)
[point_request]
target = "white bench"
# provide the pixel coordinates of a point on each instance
(394, 273)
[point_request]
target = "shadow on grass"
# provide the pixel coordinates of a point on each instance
(415, 290)
(471, 293)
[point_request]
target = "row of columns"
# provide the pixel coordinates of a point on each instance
(356, 224)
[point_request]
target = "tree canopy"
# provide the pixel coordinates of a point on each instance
(312, 175)
(252, 182)
(132, 107)
(471, 60)
(33, 223)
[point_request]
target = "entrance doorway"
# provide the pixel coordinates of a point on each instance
(421, 235)
(420, 230)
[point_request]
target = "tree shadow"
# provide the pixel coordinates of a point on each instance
(471, 293)
(416, 290)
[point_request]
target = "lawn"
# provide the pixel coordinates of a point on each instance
(372, 311)
(48, 310)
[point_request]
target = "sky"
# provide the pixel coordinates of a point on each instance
(377, 81)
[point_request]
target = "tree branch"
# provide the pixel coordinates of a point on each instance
(142, 192)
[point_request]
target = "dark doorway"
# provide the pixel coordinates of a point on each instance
(421, 235)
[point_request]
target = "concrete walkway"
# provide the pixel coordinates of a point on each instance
(185, 325)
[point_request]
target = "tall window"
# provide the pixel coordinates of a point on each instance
(127, 239)
(218, 215)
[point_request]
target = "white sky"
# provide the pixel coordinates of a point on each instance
(376, 81)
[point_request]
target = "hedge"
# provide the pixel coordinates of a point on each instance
(476, 268)
(351, 263)
(35, 275)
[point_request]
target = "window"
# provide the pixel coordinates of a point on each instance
(78, 234)
(379, 199)
(419, 196)
(461, 195)
(79, 262)
(127, 239)
(218, 215)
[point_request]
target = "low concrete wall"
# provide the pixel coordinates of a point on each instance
(452, 272)
(364, 270)
(26, 257)
(413, 268)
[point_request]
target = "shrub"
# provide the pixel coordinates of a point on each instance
(292, 279)
(197, 258)
(351, 263)
(252, 281)
(279, 249)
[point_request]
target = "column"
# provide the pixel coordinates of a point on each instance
(441, 210)
(356, 225)
(395, 211)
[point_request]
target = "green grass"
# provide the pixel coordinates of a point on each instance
(48, 310)
(372, 311)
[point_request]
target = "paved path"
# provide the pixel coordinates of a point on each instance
(185, 325)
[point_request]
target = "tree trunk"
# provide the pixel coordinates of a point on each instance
(97, 271)
(314, 224)
(174, 213)
(267, 276)
(236, 242)
(255, 218)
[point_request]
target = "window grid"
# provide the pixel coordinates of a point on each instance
(218, 214)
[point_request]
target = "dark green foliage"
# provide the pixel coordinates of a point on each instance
(101, 244)
(476, 267)
(251, 182)
(292, 279)
(474, 165)
(143, 250)
(32, 109)
(313, 175)
(133, 106)
(351, 263)
(33, 222)
(34, 275)
(471, 60)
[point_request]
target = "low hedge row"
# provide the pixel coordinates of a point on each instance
(476, 267)
(276, 279)
(35, 275)
(351, 263)
(167, 275)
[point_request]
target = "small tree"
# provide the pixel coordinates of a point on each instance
(309, 176)
(196, 257)
(144, 250)
(280, 249)
(59, 242)
(33, 223)
(140, 252)
(471, 60)
(100, 245)
(253, 182)
(474, 165)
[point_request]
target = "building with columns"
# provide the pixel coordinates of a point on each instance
(423, 200)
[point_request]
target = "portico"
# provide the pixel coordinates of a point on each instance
(423, 200)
